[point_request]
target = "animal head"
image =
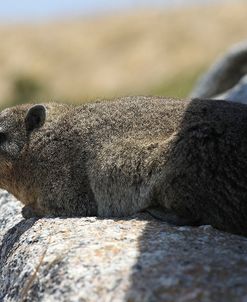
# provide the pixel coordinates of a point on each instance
(16, 125)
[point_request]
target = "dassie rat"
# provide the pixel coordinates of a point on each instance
(115, 158)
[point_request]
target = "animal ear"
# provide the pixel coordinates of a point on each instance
(35, 117)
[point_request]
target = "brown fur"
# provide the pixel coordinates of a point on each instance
(119, 157)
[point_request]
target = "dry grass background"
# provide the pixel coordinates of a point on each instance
(140, 52)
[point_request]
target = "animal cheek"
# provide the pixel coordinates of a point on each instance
(4, 164)
(5, 167)
(11, 150)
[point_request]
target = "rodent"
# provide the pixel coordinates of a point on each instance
(116, 158)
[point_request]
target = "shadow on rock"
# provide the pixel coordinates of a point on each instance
(188, 264)
(11, 238)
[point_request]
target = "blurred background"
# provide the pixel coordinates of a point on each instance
(75, 51)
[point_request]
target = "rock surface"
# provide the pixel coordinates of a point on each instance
(226, 78)
(135, 259)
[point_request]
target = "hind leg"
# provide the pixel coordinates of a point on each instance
(171, 217)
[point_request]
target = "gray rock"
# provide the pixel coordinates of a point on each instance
(237, 94)
(135, 259)
(225, 79)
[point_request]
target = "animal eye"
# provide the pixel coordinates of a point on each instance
(3, 137)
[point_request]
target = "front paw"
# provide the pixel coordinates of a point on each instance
(28, 212)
